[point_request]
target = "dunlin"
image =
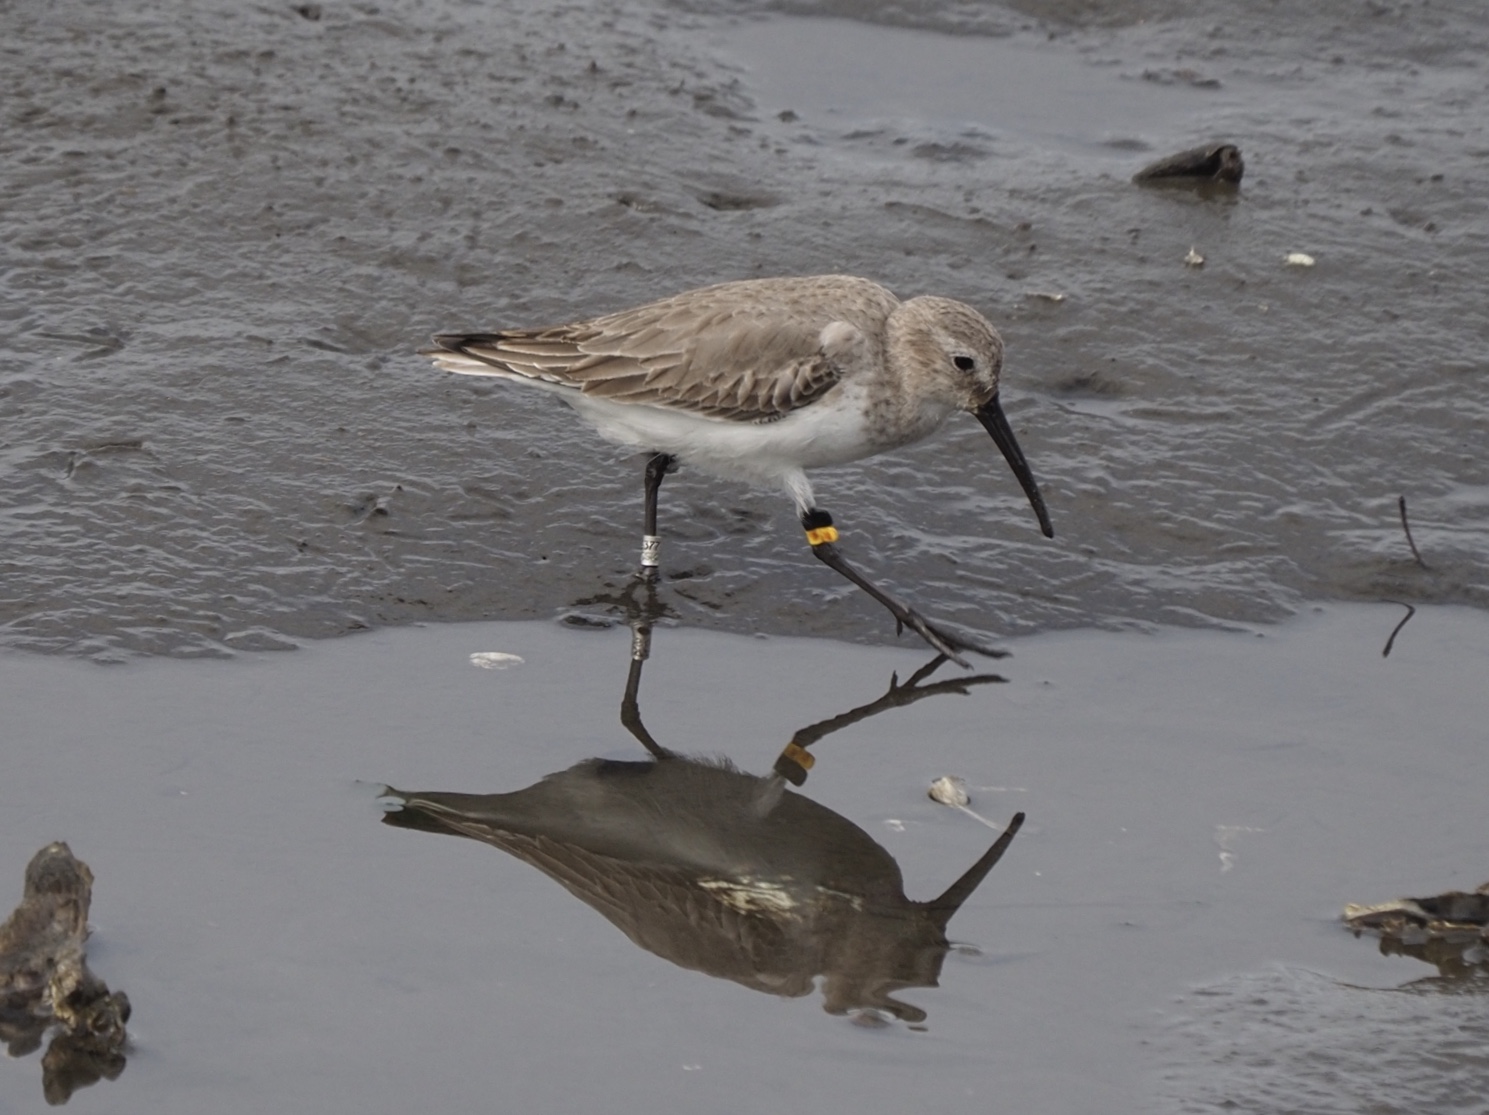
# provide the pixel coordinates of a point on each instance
(763, 379)
(725, 872)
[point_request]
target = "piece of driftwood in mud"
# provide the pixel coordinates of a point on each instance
(1406, 526)
(45, 981)
(1449, 930)
(1212, 162)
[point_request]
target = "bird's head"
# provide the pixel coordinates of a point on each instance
(962, 352)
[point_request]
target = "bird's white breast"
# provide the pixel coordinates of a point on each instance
(834, 430)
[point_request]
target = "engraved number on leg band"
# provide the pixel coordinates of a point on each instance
(651, 548)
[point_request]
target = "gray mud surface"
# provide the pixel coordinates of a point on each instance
(225, 229)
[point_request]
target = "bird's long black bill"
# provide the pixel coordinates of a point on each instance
(990, 414)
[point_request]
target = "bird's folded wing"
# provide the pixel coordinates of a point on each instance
(721, 358)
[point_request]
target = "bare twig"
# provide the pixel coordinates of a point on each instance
(1410, 611)
(1401, 503)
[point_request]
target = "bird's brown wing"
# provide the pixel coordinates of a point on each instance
(743, 352)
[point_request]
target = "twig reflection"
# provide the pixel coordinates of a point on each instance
(1410, 611)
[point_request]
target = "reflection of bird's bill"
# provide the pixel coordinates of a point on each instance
(991, 415)
(952, 898)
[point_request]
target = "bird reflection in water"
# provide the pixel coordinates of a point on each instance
(724, 872)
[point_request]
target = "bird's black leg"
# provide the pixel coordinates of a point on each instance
(657, 467)
(630, 702)
(822, 536)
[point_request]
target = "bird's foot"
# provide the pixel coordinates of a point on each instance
(822, 536)
(943, 640)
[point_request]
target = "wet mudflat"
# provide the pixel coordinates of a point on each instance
(1163, 933)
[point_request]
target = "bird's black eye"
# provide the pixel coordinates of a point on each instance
(964, 363)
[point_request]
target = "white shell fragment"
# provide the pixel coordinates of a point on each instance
(495, 660)
(1194, 259)
(950, 791)
(1299, 259)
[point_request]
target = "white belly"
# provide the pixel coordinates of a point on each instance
(832, 431)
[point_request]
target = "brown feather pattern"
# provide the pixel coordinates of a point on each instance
(708, 351)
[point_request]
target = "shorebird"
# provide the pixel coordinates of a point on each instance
(725, 872)
(762, 379)
(702, 865)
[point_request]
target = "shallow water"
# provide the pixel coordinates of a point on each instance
(225, 230)
(1200, 806)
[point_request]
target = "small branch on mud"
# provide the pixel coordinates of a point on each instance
(1410, 611)
(1401, 503)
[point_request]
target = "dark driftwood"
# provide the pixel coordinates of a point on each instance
(45, 982)
(1214, 162)
(1401, 506)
